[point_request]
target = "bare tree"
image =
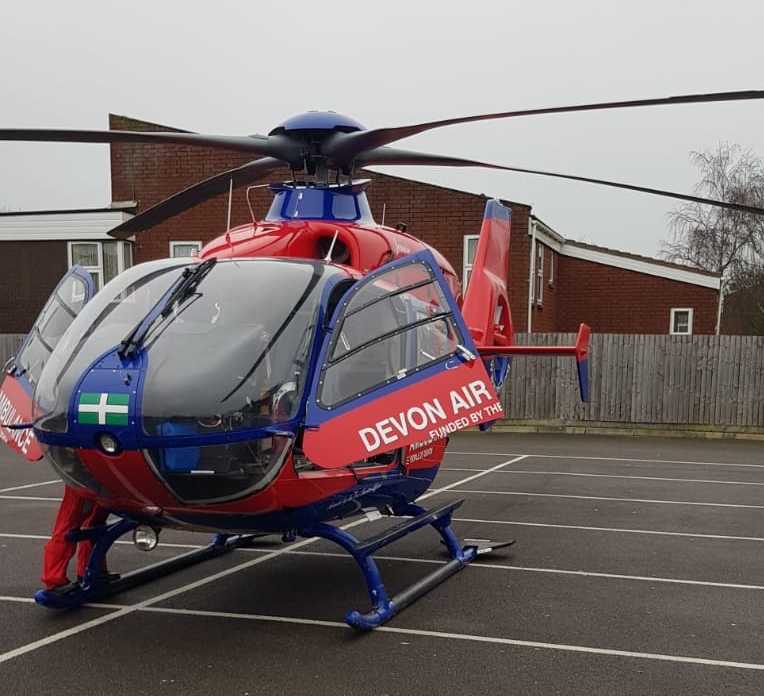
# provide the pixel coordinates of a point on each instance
(727, 242)
(716, 239)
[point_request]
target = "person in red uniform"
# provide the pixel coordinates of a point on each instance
(76, 511)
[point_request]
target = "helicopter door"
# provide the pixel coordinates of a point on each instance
(23, 371)
(398, 367)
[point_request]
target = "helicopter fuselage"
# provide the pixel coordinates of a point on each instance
(210, 379)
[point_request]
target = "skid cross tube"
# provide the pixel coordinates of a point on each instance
(384, 608)
(93, 587)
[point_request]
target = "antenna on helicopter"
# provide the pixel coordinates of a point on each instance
(230, 202)
(249, 202)
(328, 256)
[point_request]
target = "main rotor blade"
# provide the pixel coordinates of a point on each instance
(394, 156)
(345, 146)
(260, 145)
(194, 195)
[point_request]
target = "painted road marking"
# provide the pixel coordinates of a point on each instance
(624, 476)
(126, 610)
(620, 500)
(29, 485)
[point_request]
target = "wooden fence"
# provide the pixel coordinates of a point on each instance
(713, 382)
(650, 380)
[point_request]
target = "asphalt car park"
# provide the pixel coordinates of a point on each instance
(637, 569)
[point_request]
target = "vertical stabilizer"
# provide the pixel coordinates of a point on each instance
(486, 304)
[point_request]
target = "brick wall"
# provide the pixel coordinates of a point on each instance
(28, 274)
(614, 300)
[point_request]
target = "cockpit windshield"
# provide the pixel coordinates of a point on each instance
(234, 356)
(231, 356)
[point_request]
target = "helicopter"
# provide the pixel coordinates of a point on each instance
(303, 369)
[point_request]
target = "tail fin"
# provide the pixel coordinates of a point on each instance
(486, 304)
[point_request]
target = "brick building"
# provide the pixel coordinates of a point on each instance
(37, 249)
(554, 284)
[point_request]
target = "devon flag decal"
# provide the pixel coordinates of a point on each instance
(103, 409)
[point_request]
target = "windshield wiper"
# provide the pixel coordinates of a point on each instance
(189, 281)
(179, 292)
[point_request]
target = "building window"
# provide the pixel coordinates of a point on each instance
(681, 321)
(470, 246)
(184, 249)
(103, 260)
(540, 276)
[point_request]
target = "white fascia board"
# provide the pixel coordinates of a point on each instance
(554, 241)
(639, 266)
(87, 226)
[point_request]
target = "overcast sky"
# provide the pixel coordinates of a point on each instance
(238, 67)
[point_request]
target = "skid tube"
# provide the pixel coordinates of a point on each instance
(384, 608)
(93, 587)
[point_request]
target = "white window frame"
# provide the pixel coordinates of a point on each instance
(672, 321)
(540, 275)
(466, 265)
(176, 244)
(95, 271)
(98, 271)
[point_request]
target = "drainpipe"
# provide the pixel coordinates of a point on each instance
(532, 272)
(720, 306)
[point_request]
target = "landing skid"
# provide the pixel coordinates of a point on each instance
(384, 608)
(94, 587)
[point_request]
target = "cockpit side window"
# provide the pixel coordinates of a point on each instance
(389, 328)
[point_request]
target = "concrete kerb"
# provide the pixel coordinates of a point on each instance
(631, 429)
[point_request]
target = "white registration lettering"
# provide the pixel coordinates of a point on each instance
(479, 390)
(390, 430)
(385, 431)
(458, 403)
(369, 438)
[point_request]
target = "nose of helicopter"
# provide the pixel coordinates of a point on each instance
(206, 400)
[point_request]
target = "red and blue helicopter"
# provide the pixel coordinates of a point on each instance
(303, 369)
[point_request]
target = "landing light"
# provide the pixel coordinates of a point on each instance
(145, 538)
(109, 444)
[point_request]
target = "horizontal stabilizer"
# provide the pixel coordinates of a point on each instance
(580, 351)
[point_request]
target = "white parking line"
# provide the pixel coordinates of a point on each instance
(29, 485)
(602, 459)
(617, 530)
(484, 565)
(126, 610)
(536, 645)
(620, 500)
(478, 475)
(45, 537)
(624, 476)
(29, 497)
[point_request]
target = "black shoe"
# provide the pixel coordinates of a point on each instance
(104, 576)
(64, 589)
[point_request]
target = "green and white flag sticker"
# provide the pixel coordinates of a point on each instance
(103, 409)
